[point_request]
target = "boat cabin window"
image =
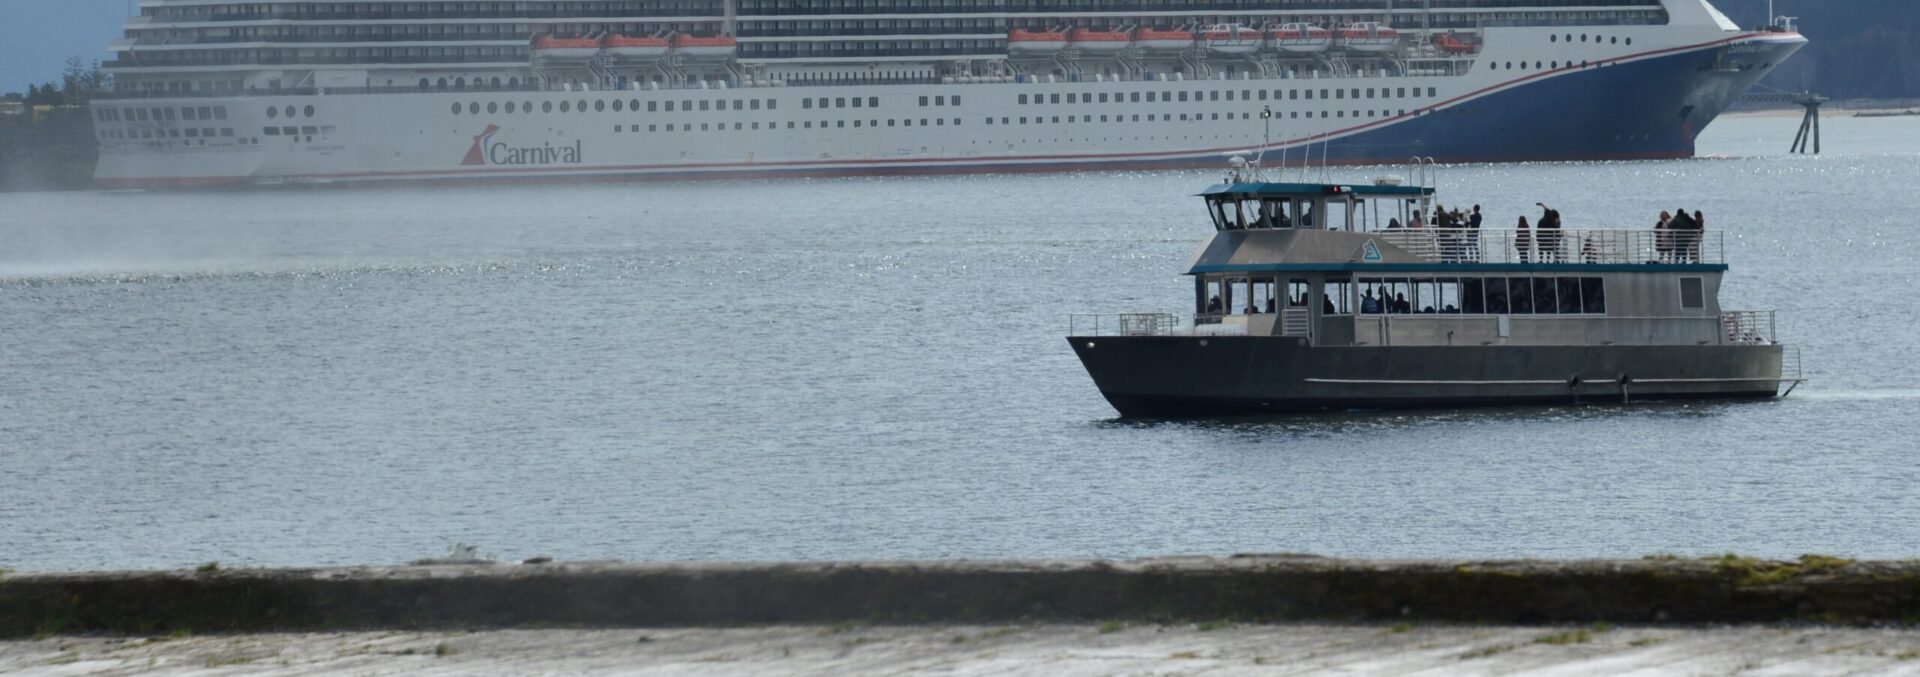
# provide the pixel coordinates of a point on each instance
(1693, 293)
(1337, 298)
(1242, 214)
(1481, 296)
(1297, 296)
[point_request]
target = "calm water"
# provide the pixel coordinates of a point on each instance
(875, 369)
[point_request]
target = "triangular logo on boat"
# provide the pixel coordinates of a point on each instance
(1370, 252)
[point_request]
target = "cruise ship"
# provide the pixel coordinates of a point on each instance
(277, 92)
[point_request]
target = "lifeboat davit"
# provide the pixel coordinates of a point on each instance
(1163, 41)
(1094, 40)
(1035, 42)
(1369, 36)
(551, 47)
(716, 46)
(1301, 37)
(1452, 45)
(1231, 39)
(637, 48)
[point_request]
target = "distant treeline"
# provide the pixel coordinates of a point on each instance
(1861, 49)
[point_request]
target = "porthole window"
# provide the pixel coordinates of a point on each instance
(619, 105)
(1583, 37)
(460, 83)
(634, 105)
(425, 83)
(272, 113)
(456, 108)
(474, 108)
(309, 111)
(289, 112)
(600, 106)
(546, 106)
(1629, 41)
(492, 108)
(1553, 38)
(582, 106)
(509, 107)
(566, 106)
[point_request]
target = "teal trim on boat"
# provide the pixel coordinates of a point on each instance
(1465, 268)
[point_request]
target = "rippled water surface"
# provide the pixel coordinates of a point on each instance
(868, 368)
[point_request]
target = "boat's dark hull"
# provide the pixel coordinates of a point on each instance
(1188, 376)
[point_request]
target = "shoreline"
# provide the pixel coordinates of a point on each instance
(1240, 589)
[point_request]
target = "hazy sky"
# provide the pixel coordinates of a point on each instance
(37, 36)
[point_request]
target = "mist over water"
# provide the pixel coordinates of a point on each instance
(875, 368)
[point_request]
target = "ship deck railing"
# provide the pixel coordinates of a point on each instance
(1474, 245)
(1733, 327)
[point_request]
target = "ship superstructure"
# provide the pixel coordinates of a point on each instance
(273, 92)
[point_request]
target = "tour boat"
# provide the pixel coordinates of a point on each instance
(1314, 297)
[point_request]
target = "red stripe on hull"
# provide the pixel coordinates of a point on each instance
(441, 179)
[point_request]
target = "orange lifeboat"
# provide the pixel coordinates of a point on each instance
(1301, 37)
(1451, 45)
(1163, 41)
(1035, 42)
(717, 46)
(565, 48)
(637, 47)
(1095, 40)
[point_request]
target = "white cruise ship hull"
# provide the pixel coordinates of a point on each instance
(1632, 92)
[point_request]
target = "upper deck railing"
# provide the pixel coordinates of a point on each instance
(1473, 245)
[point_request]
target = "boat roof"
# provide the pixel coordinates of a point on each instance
(1315, 190)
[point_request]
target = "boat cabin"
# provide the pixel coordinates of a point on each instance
(1357, 265)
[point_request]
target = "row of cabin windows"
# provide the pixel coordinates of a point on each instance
(623, 105)
(1469, 296)
(160, 114)
(190, 133)
(790, 124)
(309, 130)
(1195, 117)
(1216, 95)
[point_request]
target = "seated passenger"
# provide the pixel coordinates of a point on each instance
(1213, 306)
(1326, 305)
(1400, 305)
(1368, 304)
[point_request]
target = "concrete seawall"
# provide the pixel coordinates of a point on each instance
(1252, 589)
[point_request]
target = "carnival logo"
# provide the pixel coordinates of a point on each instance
(476, 155)
(486, 152)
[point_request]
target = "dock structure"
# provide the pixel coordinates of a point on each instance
(1809, 125)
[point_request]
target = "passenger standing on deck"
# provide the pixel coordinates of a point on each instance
(1663, 238)
(1523, 241)
(1680, 230)
(1549, 228)
(1699, 233)
(1368, 304)
(1473, 236)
